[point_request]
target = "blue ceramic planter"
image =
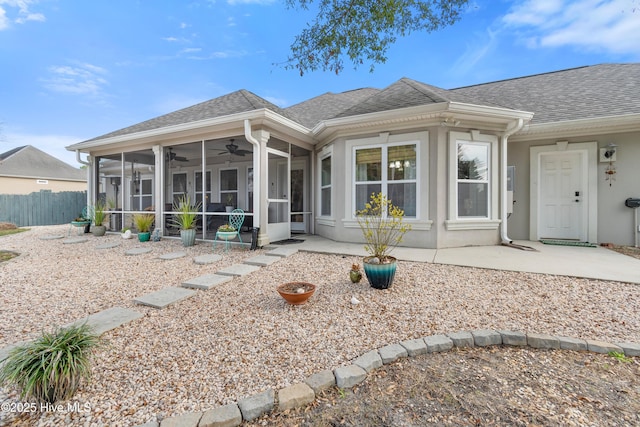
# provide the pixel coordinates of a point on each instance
(380, 276)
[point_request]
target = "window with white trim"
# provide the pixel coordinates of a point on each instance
(473, 179)
(229, 187)
(325, 185)
(390, 169)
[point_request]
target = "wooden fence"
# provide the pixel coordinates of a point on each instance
(42, 208)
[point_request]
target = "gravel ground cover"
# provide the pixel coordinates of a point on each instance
(241, 338)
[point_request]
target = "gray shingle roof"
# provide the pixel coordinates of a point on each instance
(28, 161)
(327, 106)
(236, 102)
(578, 93)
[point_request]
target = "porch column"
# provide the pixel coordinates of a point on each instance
(158, 185)
(260, 187)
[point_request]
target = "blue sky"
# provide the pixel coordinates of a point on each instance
(74, 70)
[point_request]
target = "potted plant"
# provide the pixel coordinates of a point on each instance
(99, 216)
(383, 229)
(296, 293)
(125, 233)
(50, 368)
(229, 204)
(226, 232)
(185, 219)
(143, 223)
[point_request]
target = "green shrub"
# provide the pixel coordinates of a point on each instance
(50, 368)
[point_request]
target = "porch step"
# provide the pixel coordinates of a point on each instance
(238, 270)
(206, 281)
(282, 252)
(164, 297)
(261, 260)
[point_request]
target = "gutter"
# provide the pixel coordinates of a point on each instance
(79, 160)
(511, 129)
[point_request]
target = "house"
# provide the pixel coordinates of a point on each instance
(26, 169)
(553, 155)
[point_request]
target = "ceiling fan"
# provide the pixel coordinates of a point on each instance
(172, 156)
(232, 148)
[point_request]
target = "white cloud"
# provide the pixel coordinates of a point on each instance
(81, 78)
(50, 144)
(23, 13)
(596, 25)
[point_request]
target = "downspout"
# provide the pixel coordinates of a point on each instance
(79, 160)
(90, 176)
(511, 129)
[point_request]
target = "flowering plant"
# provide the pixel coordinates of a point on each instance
(226, 228)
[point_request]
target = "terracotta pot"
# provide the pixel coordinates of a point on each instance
(296, 292)
(380, 275)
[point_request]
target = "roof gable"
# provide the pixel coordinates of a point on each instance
(28, 161)
(579, 93)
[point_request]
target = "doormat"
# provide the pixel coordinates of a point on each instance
(287, 242)
(568, 243)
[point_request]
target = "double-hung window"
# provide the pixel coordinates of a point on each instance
(325, 185)
(473, 179)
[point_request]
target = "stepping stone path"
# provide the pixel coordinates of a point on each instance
(282, 252)
(261, 260)
(74, 240)
(173, 255)
(109, 319)
(52, 237)
(164, 297)
(207, 259)
(238, 270)
(108, 245)
(206, 282)
(138, 251)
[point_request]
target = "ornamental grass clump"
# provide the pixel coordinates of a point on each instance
(382, 226)
(50, 368)
(187, 214)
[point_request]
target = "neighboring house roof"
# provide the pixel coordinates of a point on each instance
(236, 102)
(587, 92)
(29, 162)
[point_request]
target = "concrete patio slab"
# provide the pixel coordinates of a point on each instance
(173, 255)
(207, 259)
(52, 237)
(238, 270)
(74, 240)
(109, 319)
(282, 252)
(261, 260)
(138, 251)
(164, 297)
(206, 281)
(108, 245)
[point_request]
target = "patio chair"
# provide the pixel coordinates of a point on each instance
(236, 218)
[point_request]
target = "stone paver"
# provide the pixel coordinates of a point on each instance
(513, 338)
(349, 376)
(52, 237)
(222, 416)
(261, 260)
(542, 341)
(190, 419)
(173, 255)
(369, 361)
(414, 347)
(207, 259)
(630, 349)
(568, 343)
(602, 347)
(321, 381)
(74, 240)
(392, 352)
(283, 252)
(109, 319)
(206, 281)
(256, 405)
(486, 337)
(238, 270)
(295, 396)
(462, 339)
(138, 251)
(164, 297)
(108, 245)
(438, 343)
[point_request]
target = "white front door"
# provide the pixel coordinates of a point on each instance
(563, 197)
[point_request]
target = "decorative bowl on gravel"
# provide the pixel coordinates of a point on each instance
(296, 292)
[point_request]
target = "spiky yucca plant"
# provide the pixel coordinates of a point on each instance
(50, 368)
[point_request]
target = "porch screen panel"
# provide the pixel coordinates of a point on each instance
(473, 180)
(368, 174)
